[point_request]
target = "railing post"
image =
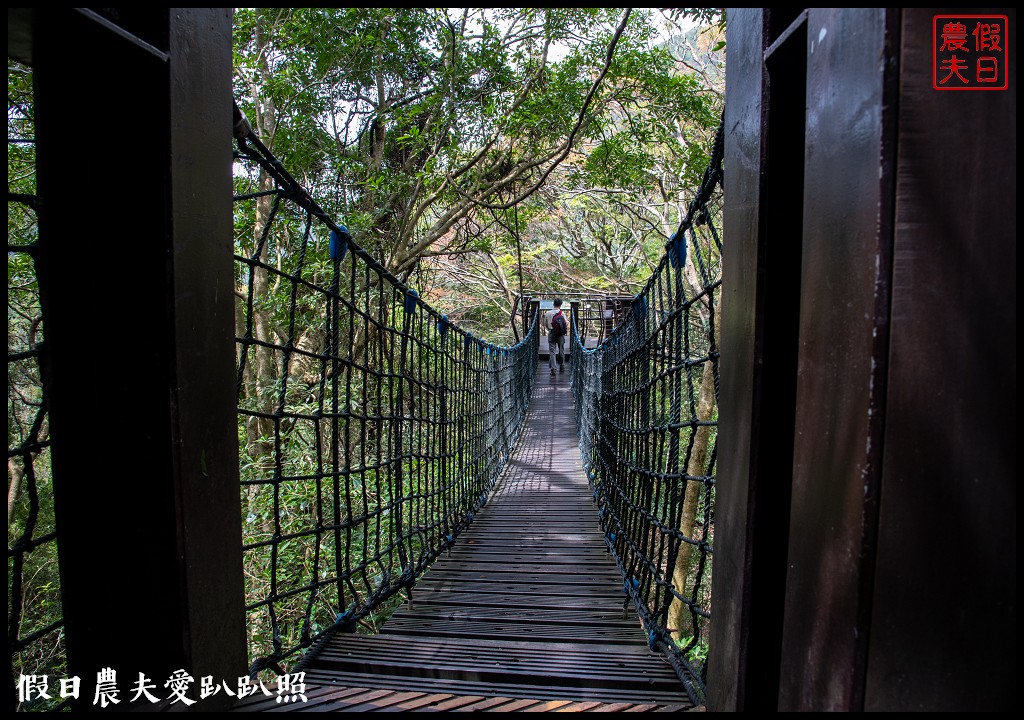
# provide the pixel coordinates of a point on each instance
(134, 170)
(582, 329)
(533, 306)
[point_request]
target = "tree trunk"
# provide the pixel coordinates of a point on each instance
(261, 375)
(261, 379)
(240, 300)
(502, 280)
(679, 620)
(17, 477)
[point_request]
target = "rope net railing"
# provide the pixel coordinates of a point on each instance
(371, 429)
(35, 617)
(646, 401)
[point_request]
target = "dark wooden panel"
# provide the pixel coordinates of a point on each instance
(19, 34)
(779, 284)
(140, 337)
(843, 335)
(945, 594)
(729, 664)
(203, 392)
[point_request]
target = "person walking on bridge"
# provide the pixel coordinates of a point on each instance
(557, 327)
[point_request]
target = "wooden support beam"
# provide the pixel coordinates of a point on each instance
(134, 170)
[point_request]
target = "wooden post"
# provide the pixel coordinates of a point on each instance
(134, 169)
(866, 492)
(532, 307)
(574, 312)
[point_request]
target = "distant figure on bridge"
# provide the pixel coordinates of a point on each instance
(557, 327)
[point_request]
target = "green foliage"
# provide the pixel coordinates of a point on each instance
(401, 122)
(695, 649)
(621, 160)
(33, 582)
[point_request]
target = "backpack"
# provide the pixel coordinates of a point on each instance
(558, 325)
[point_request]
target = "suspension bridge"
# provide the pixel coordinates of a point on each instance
(315, 491)
(481, 495)
(540, 539)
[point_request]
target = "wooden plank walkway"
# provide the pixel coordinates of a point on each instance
(525, 614)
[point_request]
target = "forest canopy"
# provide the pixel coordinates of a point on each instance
(459, 145)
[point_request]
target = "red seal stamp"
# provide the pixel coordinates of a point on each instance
(969, 52)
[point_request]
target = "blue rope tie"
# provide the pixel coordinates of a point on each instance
(640, 307)
(340, 239)
(410, 301)
(677, 249)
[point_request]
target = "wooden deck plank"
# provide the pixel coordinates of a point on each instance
(533, 615)
(517, 705)
(577, 706)
(456, 703)
(549, 706)
(482, 631)
(382, 702)
(420, 702)
(493, 704)
(465, 687)
(315, 695)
